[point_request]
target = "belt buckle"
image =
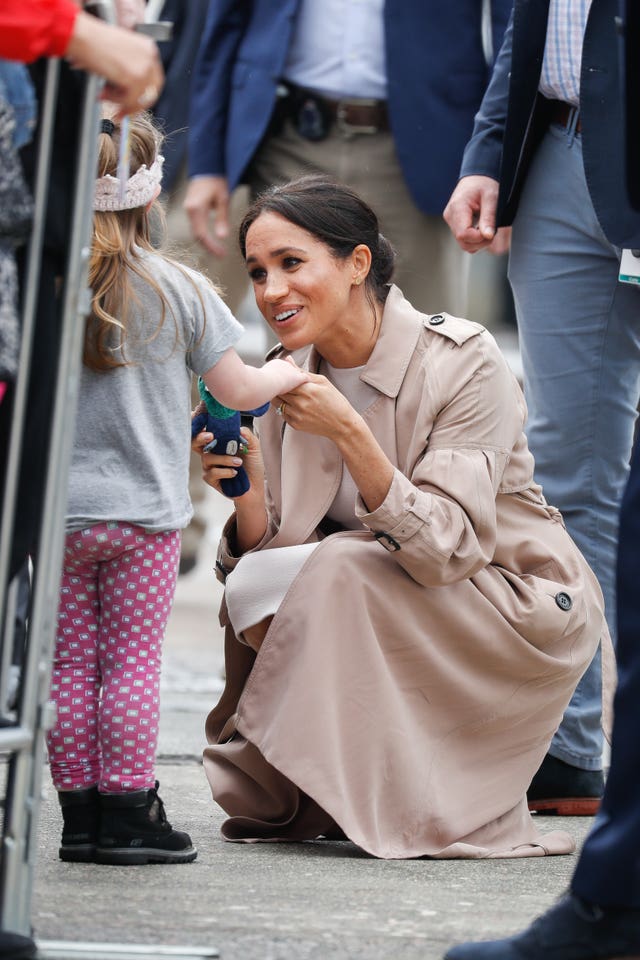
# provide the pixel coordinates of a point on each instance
(351, 129)
(311, 119)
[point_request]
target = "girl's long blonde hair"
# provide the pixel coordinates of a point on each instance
(118, 239)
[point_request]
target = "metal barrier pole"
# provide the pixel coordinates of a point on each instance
(20, 737)
(35, 714)
(34, 257)
(6, 648)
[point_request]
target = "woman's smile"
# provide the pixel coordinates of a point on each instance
(286, 315)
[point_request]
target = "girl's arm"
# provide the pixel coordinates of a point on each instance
(236, 385)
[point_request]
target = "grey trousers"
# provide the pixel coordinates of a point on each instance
(579, 331)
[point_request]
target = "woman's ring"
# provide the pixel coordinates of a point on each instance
(280, 409)
(148, 96)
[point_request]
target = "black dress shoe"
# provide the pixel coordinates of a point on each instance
(571, 930)
(564, 790)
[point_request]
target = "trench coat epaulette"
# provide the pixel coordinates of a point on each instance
(454, 328)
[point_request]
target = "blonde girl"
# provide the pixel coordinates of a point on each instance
(153, 325)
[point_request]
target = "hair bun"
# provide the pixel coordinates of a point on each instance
(384, 262)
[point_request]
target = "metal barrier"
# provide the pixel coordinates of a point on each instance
(22, 741)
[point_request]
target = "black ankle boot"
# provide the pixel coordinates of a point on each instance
(134, 829)
(81, 814)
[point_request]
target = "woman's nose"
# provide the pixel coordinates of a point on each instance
(276, 287)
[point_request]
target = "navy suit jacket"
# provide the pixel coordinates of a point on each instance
(436, 74)
(513, 116)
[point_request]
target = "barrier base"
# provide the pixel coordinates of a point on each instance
(69, 950)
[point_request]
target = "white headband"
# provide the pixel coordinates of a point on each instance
(141, 188)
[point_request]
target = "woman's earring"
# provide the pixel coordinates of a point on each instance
(358, 281)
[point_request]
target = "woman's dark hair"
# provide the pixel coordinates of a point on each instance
(334, 214)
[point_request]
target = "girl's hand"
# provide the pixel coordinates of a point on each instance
(317, 407)
(290, 375)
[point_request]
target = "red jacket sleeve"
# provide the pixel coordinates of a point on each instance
(30, 29)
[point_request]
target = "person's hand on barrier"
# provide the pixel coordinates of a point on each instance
(207, 195)
(129, 62)
(471, 212)
(130, 12)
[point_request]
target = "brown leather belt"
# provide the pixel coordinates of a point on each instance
(351, 116)
(359, 116)
(562, 113)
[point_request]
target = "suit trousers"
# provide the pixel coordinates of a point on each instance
(608, 871)
(431, 271)
(579, 335)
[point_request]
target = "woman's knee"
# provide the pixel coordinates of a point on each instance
(254, 635)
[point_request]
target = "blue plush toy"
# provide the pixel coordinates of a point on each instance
(224, 424)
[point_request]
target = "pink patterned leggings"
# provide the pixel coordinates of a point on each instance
(116, 594)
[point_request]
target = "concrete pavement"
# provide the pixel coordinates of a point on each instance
(280, 901)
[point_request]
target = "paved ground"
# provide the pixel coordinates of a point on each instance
(268, 901)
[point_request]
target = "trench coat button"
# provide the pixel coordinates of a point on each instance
(563, 600)
(436, 320)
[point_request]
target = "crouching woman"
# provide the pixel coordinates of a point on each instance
(406, 617)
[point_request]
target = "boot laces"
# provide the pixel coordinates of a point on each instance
(156, 806)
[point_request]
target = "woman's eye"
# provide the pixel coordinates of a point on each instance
(289, 262)
(257, 274)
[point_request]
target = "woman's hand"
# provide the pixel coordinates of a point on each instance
(218, 466)
(317, 407)
(250, 508)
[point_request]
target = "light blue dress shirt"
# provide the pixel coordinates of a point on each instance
(337, 49)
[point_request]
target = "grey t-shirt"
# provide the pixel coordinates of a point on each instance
(132, 437)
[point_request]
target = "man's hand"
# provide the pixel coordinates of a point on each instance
(206, 195)
(501, 242)
(471, 212)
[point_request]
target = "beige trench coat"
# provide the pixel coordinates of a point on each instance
(415, 672)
